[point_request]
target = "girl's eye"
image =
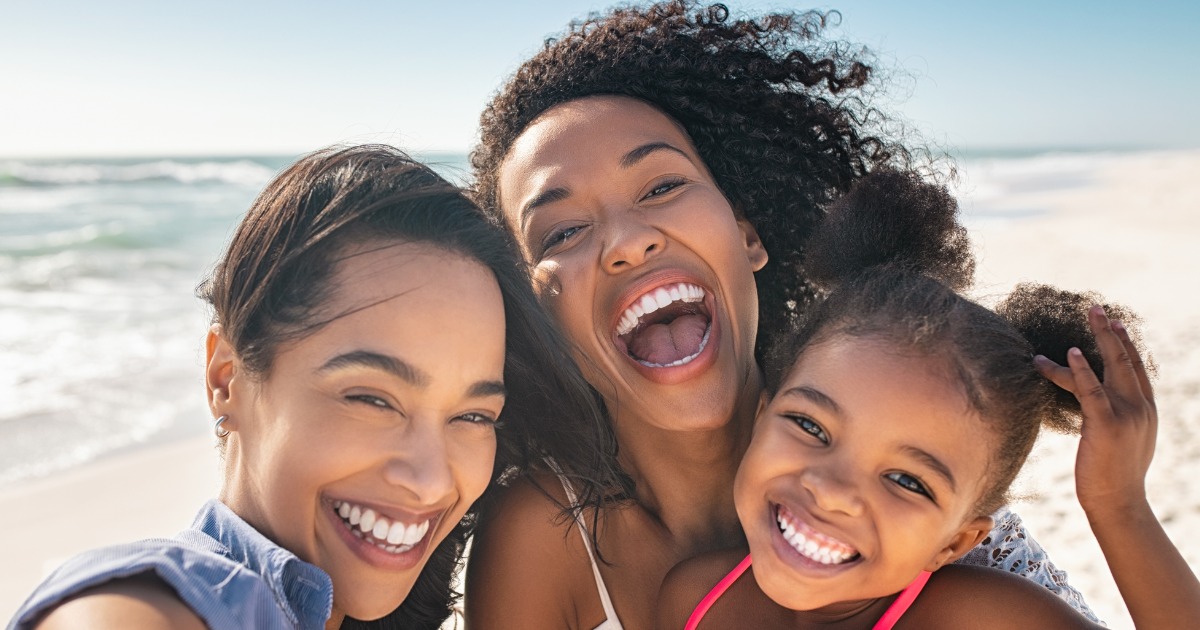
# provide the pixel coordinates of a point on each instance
(809, 426)
(664, 188)
(560, 236)
(909, 482)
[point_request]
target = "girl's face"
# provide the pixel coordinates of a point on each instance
(863, 471)
(639, 257)
(368, 440)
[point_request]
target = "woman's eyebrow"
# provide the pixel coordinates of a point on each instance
(640, 153)
(405, 372)
(542, 198)
(374, 360)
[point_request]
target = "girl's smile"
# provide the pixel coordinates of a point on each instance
(861, 474)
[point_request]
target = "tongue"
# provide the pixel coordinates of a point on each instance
(666, 343)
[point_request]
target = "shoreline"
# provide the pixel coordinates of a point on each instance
(1130, 233)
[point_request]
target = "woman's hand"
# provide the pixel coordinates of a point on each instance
(1120, 422)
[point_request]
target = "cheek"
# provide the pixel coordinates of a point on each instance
(473, 462)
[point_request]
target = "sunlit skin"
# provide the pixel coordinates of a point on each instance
(873, 448)
(390, 406)
(608, 199)
(637, 209)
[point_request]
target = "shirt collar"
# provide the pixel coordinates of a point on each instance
(307, 589)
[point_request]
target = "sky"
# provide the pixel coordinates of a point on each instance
(132, 78)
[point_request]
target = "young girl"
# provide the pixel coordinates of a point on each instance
(901, 413)
(377, 361)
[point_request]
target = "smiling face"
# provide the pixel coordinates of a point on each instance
(640, 258)
(368, 439)
(863, 471)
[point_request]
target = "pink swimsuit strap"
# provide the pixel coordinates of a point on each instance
(889, 618)
(716, 593)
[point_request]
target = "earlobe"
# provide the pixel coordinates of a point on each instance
(755, 252)
(219, 372)
(968, 537)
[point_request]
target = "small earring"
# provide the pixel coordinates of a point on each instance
(220, 433)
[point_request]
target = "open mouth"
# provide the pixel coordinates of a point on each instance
(810, 543)
(666, 327)
(392, 536)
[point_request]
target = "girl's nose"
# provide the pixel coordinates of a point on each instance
(831, 492)
(629, 242)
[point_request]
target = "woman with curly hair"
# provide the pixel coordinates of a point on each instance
(660, 168)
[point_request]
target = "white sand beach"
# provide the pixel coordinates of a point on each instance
(1129, 229)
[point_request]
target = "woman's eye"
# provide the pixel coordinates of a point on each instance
(664, 187)
(909, 482)
(560, 236)
(368, 399)
(809, 426)
(480, 419)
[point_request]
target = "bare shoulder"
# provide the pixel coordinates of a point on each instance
(142, 601)
(960, 596)
(688, 583)
(526, 565)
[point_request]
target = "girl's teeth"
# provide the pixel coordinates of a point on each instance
(344, 510)
(812, 545)
(355, 515)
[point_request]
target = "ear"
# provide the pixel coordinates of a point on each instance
(755, 252)
(220, 370)
(968, 537)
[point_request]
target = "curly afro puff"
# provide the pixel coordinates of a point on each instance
(778, 113)
(893, 256)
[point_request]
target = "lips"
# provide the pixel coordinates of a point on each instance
(666, 326)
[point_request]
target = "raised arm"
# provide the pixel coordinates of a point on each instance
(1120, 424)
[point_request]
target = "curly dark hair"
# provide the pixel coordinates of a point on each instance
(779, 114)
(892, 257)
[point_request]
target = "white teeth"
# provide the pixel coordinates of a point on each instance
(395, 535)
(812, 546)
(367, 524)
(379, 530)
(656, 299)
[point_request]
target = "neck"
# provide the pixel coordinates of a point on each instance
(684, 479)
(335, 620)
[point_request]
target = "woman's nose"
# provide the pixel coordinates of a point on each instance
(629, 242)
(422, 467)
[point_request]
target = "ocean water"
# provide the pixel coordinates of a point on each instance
(101, 337)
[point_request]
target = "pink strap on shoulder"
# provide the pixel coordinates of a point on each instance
(902, 602)
(716, 593)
